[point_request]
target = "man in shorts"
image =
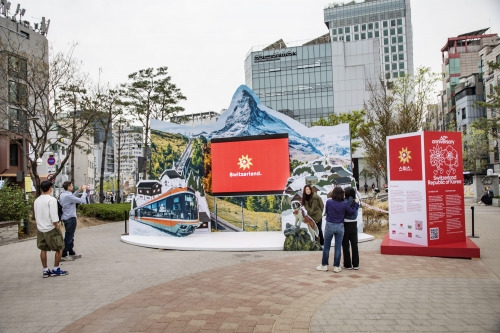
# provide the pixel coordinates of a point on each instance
(49, 236)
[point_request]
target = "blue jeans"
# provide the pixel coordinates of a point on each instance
(331, 230)
(69, 235)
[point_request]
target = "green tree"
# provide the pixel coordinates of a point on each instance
(150, 93)
(476, 146)
(394, 108)
(354, 118)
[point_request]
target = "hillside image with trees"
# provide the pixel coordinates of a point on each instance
(166, 148)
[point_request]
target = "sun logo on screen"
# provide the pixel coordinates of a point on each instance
(245, 162)
(404, 155)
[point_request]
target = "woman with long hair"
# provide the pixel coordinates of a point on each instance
(336, 209)
(314, 207)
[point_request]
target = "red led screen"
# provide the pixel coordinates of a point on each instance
(251, 165)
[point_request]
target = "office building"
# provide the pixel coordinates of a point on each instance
(366, 42)
(294, 80)
(370, 40)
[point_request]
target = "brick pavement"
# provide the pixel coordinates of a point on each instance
(121, 288)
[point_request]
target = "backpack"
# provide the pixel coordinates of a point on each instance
(59, 209)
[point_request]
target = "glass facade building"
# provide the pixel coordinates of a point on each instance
(367, 41)
(371, 40)
(295, 80)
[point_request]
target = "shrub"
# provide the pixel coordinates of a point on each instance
(106, 212)
(13, 205)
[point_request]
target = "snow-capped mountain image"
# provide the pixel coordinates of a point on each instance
(246, 116)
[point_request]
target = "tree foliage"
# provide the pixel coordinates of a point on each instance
(394, 108)
(476, 146)
(150, 93)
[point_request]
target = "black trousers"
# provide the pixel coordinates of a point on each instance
(320, 228)
(350, 242)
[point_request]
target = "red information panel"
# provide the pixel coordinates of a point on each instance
(405, 158)
(250, 165)
(444, 187)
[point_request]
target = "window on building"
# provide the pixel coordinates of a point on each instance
(402, 73)
(401, 65)
(17, 93)
(491, 88)
(395, 75)
(393, 48)
(377, 26)
(18, 67)
(393, 23)
(394, 66)
(498, 59)
(387, 76)
(347, 38)
(334, 31)
(400, 30)
(385, 24)
(13, 154)
(386, 33)
(401, 47)
(400, 21)
(387, 67)
(463, 114)
(334, 39)
(17, 120)
(341, 31)
(394, 57)
(363, 35)
(394, 39)
(370, 26)
(386, 58)
(363, 27)
(356, 28)
(386, 41)
(377, 34)
(393, 31)
(400, 39)
(370, 34)
(401, 56)
(356, 36)
(386, 49)
(454, 66)
(347, 30)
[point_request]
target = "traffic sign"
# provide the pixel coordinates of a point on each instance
(51, 160)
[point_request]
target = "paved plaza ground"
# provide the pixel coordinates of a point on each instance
(116, 287)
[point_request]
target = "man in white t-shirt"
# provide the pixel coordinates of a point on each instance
(49, 236)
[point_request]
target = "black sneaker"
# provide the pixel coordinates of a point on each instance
(47, 273)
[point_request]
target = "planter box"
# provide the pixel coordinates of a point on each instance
(9, 231)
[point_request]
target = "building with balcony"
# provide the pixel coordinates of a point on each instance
(21, 46)
(461, 58)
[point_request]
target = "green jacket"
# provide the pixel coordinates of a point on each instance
(315, 208)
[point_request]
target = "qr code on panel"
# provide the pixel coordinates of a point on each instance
(434, 233)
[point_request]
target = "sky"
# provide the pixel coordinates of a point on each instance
(204, 43)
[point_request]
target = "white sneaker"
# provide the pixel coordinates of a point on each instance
(337, 269)
(322, 268)
(356, 268)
